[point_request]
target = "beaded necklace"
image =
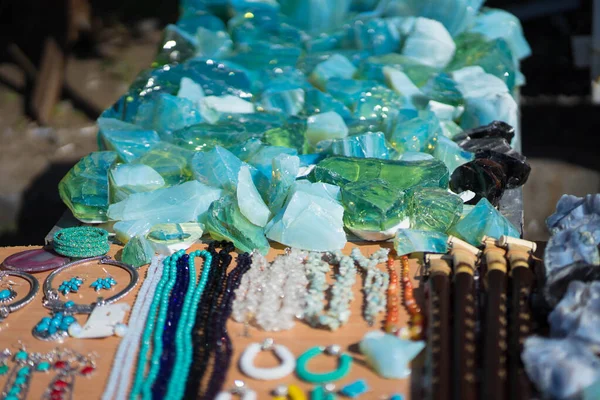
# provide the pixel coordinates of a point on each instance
(203, 326)
(393, 299)
(375, 282)
(341, 291)
(409, 302)
(120, 375)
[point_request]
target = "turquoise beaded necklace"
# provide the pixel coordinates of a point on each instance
(143, 385)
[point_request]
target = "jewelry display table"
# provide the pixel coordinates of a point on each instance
(18, 326)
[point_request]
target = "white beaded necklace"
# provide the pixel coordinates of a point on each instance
(120, 376)
(272, 296)
(375, 283)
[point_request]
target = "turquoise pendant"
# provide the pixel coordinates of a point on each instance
(7, 295)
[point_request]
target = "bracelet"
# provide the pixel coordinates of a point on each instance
(8, 295)
(345, 364)
(81, 242)
(287, 366)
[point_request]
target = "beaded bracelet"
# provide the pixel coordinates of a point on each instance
(375, 283)
(341, 291)
(81, 242)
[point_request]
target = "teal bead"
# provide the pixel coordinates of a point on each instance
(21, 355)
(69, 304)
(43, 366)
(11, 397)
(355, 389)
(397, 397)
(21, 380)
(5, 294)
(14, 391)
(345, 364)
(3, 369)
(24, 371)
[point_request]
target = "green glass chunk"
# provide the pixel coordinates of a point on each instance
(483, 220)
(398, 174)
(494, 56)
(433, 209)
(285, 169)
(291, 135)
(224, 221)
(137, 252)
(85, 187)
(171, 162)
(205, 136)
(373, 205)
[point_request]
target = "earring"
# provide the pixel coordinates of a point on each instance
(103, 283)
(70, 286)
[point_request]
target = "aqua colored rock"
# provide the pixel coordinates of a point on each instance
(168, 238)
(215, 44)
(213, 108)
(409, 241)
(191, 23)
(429, 43)
(285, 169)
(378, 36)
(217, 168)
(494, 56)
(451, 153)
(260, 55)
(355, 389)
(264, 25)
(379, 103)
(373, 206)
(316, 102)
(84, 189)
(287, 101)
(137, 252)
(320, 189)
(127, 230)
(433, 209)
(336, 66)
(417, 72)
(188, 89)
(483, 220)
(401, 84)
(418, 134)
(441, 88)
(128, 140)
(178, 46)
(309, 222)
(325, 126)
(349, 91)
(125, 179)
(399, 174)
(205, 136)
(414, 156)
(450, 129)
(368, 145)
(316, 15)
(495, 24)
(166, 113)
(486, 98)
(389, 355)
(262, 160)
(171, 162)
(250, 202)
(225, 221)
(181, 203)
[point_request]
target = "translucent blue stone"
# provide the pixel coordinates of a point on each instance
(494, 24)
(191, 23)
(349, 91)
(125, 179)
(451, 153)
(181, 203)
(205, 136)
(284, 171)
(483, 220)
(309, 221)
(380, 104)
(414, 156)
(225, 222)
(416, 135)
(355, 389)
(389, 355)
(441, 88)
(378, 36)
(429, 43)
(128, 140)
(260, 55)
(167, 113)
(218, 168)
(316, 15)
(336, 66)
(486, 98)
(324, 126)
(368, 145)
(262, 160)
(316, 102)
(409, 241)
(417, 72)
(287, 101)
(250, 202)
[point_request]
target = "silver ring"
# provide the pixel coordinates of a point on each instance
(51, 298)
(5, 310)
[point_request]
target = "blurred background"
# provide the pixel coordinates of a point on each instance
(64, 61)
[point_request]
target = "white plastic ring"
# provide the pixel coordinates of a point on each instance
(247, 394)
(287, 366)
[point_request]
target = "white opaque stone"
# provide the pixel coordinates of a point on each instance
(188, 89)
(75, 330)
(121, 330)
(211, 107)
(429, 43)
(400, 83)
(329, 125)
(136, 177)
